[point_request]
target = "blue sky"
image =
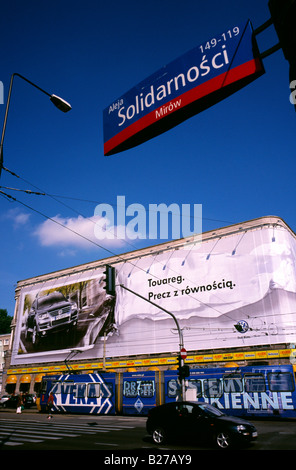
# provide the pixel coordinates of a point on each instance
(236, 158)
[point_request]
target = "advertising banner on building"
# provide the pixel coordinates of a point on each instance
(236, 290)
(188, 85)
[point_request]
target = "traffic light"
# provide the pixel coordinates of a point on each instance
(183, 370)
(110, 279)
(283, 16)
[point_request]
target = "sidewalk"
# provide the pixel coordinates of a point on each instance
(33, 409)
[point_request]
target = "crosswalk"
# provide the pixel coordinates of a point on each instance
(14, 432)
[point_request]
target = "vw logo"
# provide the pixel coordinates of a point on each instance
(242, 326)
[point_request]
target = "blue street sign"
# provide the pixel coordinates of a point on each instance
(188, 85)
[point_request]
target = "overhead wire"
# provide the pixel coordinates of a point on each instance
(100, 246)
(112, 253)
(93, 201)
(41, 192)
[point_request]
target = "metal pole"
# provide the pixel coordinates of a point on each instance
(4, 124)
(272, 49)
(181, 343)
(104, 353)
(263, 27)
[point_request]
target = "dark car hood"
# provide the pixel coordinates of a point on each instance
(233, 420)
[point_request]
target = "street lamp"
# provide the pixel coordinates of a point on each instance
(60, 103)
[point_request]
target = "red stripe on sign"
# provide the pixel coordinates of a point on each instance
(189, 97)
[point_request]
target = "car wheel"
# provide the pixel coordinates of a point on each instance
(159, 435)
(223, 440)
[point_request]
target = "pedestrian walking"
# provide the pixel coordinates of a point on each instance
(20, 403)
(49, 405)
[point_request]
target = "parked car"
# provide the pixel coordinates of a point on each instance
(3, 399)
(49, 314)
(198, 421)
(13, 399)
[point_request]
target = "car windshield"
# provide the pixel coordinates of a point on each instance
(210, 410)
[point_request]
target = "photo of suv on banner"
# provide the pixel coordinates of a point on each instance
(49, 314)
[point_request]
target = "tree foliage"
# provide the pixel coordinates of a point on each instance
(5, 321)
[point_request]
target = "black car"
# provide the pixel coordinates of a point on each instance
(199, 421)
(49, 314)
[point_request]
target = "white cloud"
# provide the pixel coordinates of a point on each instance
(79, 232)
(18, 217)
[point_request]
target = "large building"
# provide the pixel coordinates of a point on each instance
(4, 348)
(232, 291)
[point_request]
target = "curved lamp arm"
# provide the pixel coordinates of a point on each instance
(60, 103)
